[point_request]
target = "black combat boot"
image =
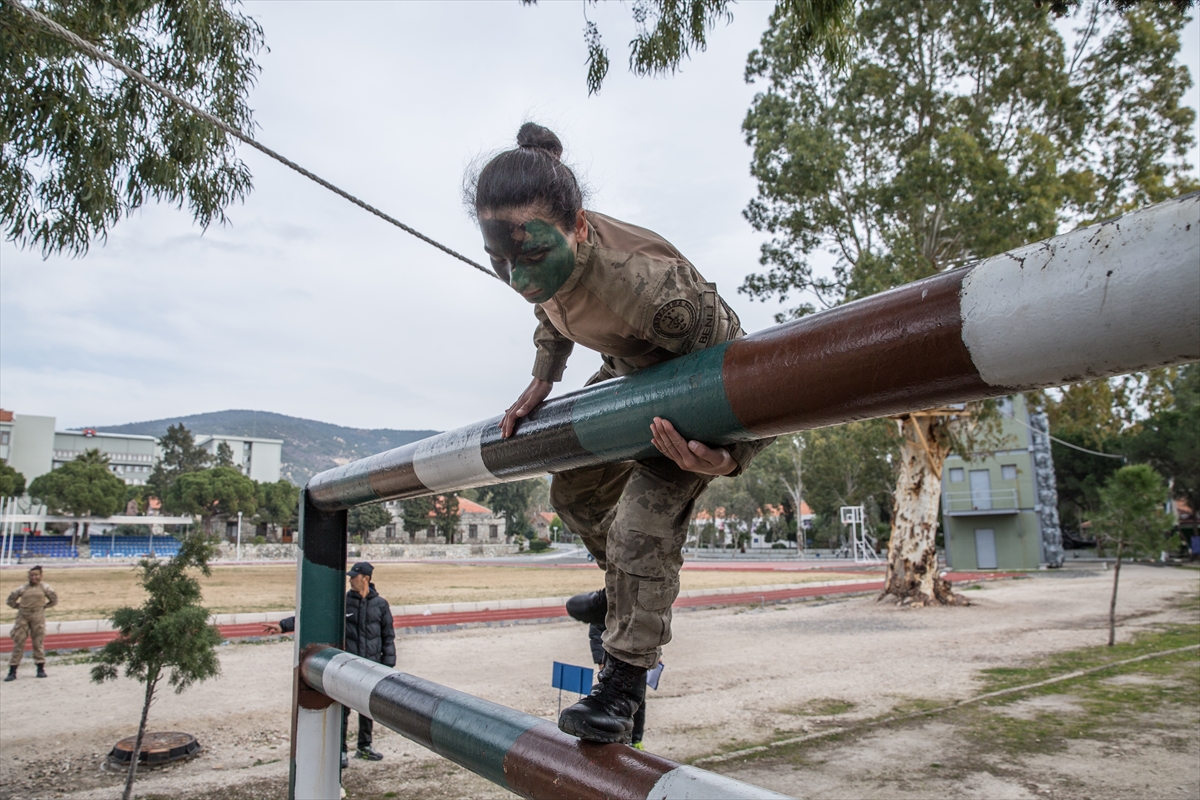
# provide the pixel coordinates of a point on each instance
(606, 715)
(42, 671)
(589, 607)
(12, 674)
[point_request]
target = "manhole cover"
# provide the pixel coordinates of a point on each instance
(158, 747)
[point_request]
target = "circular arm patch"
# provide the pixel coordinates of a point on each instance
(675, 319)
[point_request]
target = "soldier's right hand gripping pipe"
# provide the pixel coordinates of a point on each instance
(627, 293)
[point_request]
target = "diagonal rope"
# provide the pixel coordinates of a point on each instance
(1060, 441)
(100, 55)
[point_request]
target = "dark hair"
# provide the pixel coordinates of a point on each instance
(529, 175)
(36, 568)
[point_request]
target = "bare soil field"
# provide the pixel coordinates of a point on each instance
(735, 678)
(93, 592)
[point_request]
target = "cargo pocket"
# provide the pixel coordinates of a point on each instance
(657, 595)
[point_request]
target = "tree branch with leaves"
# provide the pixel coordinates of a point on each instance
(85, 145)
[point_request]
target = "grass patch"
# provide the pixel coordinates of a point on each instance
(1101, 706)
(915, 705)
(822, 707)
(1169, 638)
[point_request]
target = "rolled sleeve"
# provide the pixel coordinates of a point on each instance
(745, 452)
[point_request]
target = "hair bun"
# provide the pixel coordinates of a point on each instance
(532, 136)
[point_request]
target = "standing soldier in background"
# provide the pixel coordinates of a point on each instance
(31, 602)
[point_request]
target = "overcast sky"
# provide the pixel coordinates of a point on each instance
(308, 306)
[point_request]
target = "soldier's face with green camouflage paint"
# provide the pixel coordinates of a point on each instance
(532, 254)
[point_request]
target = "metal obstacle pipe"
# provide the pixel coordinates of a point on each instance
(1111, 298)
(527, 755)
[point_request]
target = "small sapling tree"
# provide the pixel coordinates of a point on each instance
(1132, 519)
(168, 636)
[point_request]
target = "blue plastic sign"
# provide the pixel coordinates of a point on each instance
(571, 678)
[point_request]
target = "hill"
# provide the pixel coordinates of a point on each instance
(309, 446)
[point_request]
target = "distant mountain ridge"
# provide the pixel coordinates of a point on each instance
(309, 446)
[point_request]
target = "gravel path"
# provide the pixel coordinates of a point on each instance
(734, 677)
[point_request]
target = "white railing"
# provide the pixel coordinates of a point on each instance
(979, 500)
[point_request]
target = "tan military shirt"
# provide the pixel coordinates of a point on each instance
(633, 298)
(30, 600)
(636, 300)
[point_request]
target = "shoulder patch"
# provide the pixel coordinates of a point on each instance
(675, 319)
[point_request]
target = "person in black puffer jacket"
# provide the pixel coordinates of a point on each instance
(370, 634)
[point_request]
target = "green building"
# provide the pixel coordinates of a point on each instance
(1000, 511)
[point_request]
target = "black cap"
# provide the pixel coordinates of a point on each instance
(361, 568)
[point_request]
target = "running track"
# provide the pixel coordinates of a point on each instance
(84, 641)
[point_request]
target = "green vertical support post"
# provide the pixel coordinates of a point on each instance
(320, 619)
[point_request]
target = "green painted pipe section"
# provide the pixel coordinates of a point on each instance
(613, 417)
(477, 733)
(320, 606)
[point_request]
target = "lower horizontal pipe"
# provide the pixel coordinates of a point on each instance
(525, 754)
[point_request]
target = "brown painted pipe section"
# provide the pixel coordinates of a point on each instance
(544, 763)
(887, 354)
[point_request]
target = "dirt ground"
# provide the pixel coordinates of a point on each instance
(93, 592)
(735, 677)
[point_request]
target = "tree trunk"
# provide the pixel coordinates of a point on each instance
(151, 682)
(1112, 605)
(912, 575)
(796, 447)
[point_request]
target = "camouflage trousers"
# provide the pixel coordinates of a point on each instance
(633, 518)
(26, 627)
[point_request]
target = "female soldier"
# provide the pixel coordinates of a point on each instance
(629, 294)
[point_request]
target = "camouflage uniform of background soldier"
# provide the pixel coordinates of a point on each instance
(31, 602)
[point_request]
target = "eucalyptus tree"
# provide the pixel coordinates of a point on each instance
(669, 31)
(956, 130)
(84, 144)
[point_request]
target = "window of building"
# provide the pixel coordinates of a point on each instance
(3, 437)
(1008, 472)
(390, 531)
(957, 475)
(430, 531)
(473, 531)
(493, 531)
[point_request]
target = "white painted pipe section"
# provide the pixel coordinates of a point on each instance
(1110, 298)
(693, 783)
(319, 753)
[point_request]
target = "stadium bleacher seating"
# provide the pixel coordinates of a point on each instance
(133, 546)
(28, 547)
